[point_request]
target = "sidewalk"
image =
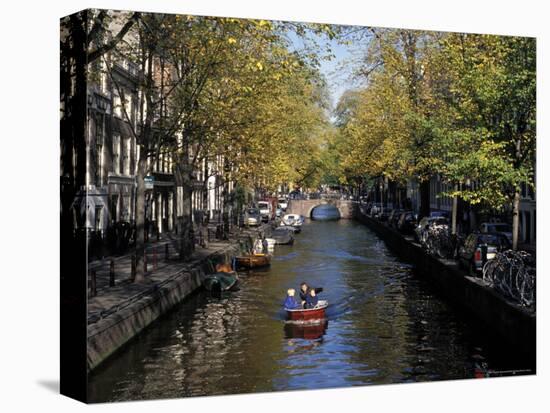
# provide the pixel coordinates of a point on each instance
(160, 269)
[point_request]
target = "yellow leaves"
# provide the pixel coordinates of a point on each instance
(231, 40)
(259, 65)
(265, 24)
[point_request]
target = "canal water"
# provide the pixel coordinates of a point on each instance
(385, 325)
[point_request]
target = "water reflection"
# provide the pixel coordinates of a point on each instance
(386, 326)
(306, 331)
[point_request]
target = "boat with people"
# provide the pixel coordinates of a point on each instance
(308, 315)
(253, 260)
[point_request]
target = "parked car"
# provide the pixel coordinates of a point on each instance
(394, 217)
(253, 217)
(421, 229)
(283, 203)
(496, 227)
(265, 210)
(407, 222)
(436, 214)
(469, 254)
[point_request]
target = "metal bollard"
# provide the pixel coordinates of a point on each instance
(93, 284)
(112, 273)
(154, 258)
(166, 252)
(133, 269)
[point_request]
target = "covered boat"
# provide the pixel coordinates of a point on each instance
(293, 220)
(220, 281)
(253, 260)
(282, 236)
(308, 315)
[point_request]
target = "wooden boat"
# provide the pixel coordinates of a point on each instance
(308, 314)
(220, 281)
(253, 260)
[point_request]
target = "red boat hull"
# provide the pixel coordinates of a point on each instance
(307, 315)
(307, 331)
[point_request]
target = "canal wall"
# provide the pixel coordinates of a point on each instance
(508, 321)
(127, 315)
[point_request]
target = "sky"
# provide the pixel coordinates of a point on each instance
(338, 70)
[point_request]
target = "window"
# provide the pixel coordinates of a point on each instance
(126, 151)
(116, 154)
(117, 105)
(98, 215)
(99, 150)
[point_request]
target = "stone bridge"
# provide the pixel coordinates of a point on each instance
(305, 206)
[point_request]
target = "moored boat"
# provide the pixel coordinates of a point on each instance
(253, 260)
(220, 281)
(282, 236)
(308, 315)
(294, 220)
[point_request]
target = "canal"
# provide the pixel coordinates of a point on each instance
(385, 325)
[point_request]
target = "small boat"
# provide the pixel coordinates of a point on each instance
(253, 260)
(220, 281)
(294, 221)
(282, 236)
(308, 315)
(292, 230)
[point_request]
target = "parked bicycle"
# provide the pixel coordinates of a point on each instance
(438, 241)
(513, 274)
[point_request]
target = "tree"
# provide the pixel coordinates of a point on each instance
(494, 102)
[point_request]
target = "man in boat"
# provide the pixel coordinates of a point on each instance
(304, 292)
(312, 300)
(290, 302)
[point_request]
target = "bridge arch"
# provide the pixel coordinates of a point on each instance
(306, 206)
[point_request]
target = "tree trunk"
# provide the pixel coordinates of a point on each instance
(515, 221)
(455, 212)
(140, 215)
(424, 199)
(184, 180)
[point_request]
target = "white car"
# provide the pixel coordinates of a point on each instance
(265, 210)
(283, 203)
(252, 217)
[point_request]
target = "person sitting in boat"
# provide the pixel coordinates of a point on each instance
(311, 299)
(304, 292)
(290, 302)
